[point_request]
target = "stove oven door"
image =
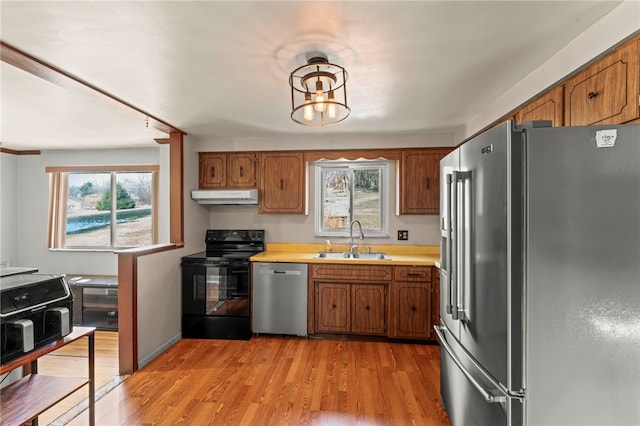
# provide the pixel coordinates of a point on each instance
(215, 290)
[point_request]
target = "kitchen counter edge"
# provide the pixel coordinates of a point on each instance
(304, 253)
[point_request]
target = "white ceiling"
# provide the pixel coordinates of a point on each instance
(219, 69)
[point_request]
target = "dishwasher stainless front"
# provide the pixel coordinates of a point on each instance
(279, 302)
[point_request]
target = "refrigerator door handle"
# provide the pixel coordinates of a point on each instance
(488, 397)
(463, 276)
(457, 311)
(454, 275)
(449, 254)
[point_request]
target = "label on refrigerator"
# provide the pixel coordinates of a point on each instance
(606, 138)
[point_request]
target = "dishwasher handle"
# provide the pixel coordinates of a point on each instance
(275, 271)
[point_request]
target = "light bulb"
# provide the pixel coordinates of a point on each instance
(319, 99)
(332, 108)
(308, 113)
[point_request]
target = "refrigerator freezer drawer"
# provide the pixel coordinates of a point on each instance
(469, 397)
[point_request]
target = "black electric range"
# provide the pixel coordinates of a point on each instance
(216, 287)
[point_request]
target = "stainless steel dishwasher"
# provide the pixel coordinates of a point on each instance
(279, 302)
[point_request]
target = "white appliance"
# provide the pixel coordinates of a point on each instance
(225, 196)
(540, 284)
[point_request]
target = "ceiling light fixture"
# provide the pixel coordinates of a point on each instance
(319, 93)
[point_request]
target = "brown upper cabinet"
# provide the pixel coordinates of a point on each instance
(227, 170)
(213, 170)
(607, 91)
(241, 170)
(420, 180)
(282, 182)
(549, 106)
(281, 178)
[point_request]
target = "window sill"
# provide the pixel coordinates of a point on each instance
(76, 250)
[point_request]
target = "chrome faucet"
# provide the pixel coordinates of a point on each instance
(352, 246)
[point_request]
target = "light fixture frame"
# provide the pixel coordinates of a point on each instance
(303, 81)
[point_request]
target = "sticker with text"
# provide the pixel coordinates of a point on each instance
(606, 138)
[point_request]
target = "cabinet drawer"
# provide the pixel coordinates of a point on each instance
(413, 273)
(352, 272)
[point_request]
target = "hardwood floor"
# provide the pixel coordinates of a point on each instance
(71, 361)
(280, 381)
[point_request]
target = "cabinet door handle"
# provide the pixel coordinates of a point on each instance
(592, 95)
(281, 184)
(213, 172)
(428, 183)
(414, 274)
(241, 172)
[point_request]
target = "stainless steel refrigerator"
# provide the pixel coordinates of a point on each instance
(540, 277)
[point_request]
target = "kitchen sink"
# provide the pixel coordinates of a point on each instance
(354, 256)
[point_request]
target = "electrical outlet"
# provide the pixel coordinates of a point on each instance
(403, 235)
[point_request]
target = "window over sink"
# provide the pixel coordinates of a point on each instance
(103, 207)
(351, 190)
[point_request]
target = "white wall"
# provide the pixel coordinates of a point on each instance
(423, 229)
(33, 199)
(159, 303)
(8, 208)
(159, 275)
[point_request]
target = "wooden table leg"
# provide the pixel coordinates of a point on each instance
(32, 368)
(92, 381)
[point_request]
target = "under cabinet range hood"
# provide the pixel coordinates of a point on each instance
(225, 196)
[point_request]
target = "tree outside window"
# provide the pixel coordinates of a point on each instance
(351, 190)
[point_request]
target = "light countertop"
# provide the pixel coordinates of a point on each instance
(304, 253)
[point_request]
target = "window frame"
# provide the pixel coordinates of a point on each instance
(383, 165)
(58, 191)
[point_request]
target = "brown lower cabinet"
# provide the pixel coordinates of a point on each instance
(411, 302)
(393, 301)
(349, 299)
(350, 308)
(435, 300)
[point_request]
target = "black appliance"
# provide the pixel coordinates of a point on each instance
(216, 286)
(95, 302)
(35, 309)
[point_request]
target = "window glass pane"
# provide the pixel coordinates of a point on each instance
(336, 198)
(348, 190)
(88, 216)
(133, 209)
(367, 204)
